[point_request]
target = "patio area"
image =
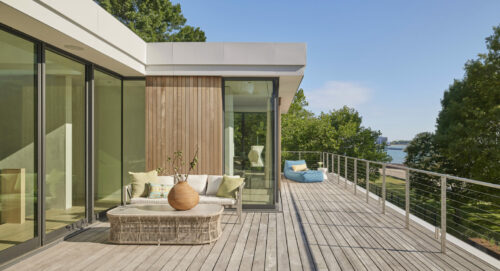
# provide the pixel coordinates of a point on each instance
(319, 226)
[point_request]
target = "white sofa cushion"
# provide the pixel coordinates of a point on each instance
(203, 200)
(198, 183)
(217, 200)
(165, 180)
(214, 182)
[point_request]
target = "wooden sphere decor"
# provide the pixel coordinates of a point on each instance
(182, 197)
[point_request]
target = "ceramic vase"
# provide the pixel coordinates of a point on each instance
(182, 196)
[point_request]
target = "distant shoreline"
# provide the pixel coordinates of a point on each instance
(397, 153)
(389, 148)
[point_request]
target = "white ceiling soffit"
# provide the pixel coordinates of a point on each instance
(80, 27)
(83, 28)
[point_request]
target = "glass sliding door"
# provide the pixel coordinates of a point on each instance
(18, 144)
(107, 137)
(249, 138)
(64, 141)
(134, 127)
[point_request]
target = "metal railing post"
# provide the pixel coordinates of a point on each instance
(355, 174)
(333, 163)
(424, 211)
(327, 161)
(407, 199)
(443, 214)
(338, 169)
(383, 189)
(367, 181)
(345, 172)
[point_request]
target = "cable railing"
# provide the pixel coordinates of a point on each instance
(465, 208)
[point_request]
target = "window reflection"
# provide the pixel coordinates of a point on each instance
(64, 141)
(249, 138)
(107, 136)
(18, 176)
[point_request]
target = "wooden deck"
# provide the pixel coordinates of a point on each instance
(321, 226)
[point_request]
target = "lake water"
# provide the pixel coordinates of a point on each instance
(397, 153)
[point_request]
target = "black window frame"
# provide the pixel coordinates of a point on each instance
(13, 254)
(276, 164)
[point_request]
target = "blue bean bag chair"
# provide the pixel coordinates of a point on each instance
(307, 176)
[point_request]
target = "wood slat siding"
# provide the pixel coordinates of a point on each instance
(183, 113)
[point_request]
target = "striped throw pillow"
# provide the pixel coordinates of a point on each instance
(159, 191)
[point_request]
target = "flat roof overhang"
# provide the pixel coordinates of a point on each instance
(285, 61)
(84, 29)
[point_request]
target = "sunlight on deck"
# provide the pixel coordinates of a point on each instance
(320, 226)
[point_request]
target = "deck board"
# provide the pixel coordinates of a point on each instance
(321, 226)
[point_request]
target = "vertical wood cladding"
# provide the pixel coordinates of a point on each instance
(184, 113)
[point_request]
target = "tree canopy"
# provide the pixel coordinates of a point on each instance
(422, 153)
(467, 138)
(153, 20)
(468, 126)
(338, 131)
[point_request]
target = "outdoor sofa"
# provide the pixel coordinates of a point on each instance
(303, 176)
(205, 185)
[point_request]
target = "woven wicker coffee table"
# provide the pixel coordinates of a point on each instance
(161, 224)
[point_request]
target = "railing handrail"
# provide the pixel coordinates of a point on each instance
(437, 174)
(440, 231)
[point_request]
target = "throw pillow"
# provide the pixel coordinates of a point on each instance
(198, 183)
(299, 167)
(214, 182)
(159, 191)
(139, 181)
(229, 186)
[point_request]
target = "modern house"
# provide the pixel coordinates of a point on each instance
(83, 101)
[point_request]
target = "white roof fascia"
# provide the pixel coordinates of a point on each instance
(82, 23)
(286, 61)
(106, 42)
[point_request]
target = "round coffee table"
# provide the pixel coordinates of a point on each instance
(162, 224)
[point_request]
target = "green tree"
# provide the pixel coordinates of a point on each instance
(341, 131)
(338, 131)
(468, 126)
(421, 153)
(296, 123)
(153, 20)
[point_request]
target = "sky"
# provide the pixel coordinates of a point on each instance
(390, 60)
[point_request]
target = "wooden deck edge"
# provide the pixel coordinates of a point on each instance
(449, 237)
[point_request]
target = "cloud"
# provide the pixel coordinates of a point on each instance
(336, 94)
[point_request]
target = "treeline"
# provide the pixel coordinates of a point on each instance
(466, 142)
(400, 142)
(338, 131)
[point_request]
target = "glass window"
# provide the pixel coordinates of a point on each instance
(18, 174)
(134, 127)
(249, 138)
(64, 141)
(107, 136)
